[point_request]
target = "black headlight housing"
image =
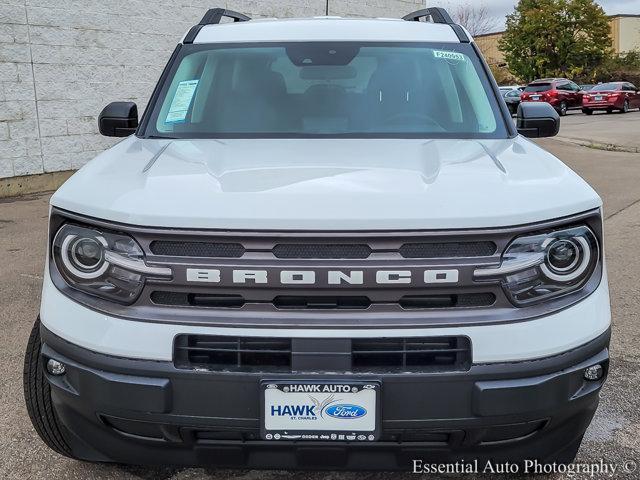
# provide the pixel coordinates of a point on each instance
(542, 266)
(102, 263)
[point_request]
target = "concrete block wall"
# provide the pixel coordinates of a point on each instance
(62, 61)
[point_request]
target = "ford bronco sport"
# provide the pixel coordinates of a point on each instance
(325, 245)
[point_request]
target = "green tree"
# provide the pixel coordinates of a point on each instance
(548, 38)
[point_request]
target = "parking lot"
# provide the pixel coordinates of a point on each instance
(601, 148)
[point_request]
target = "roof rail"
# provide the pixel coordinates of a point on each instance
(438, 15)
(213, 17)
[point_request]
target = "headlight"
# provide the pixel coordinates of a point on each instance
(101, 263)
(538, 267)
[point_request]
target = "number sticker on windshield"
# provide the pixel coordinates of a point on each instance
(449, 55)
(181, 101)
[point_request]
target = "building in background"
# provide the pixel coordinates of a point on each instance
(625, 37)
(625, 33)
(61, 62)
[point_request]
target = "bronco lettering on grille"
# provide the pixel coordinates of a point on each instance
(311, 277)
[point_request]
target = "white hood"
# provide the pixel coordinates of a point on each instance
(326, 184)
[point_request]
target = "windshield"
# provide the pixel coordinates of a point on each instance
(326, 89)
(606, 86)
(538, 87)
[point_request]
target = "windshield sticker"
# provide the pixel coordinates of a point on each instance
(181, 101)
(444, 55)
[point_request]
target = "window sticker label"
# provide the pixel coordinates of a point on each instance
(444, 55)
(181, 101)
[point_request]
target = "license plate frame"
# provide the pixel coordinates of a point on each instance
(328, 426)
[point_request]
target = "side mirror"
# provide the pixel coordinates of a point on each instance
(118, 119)
(537, 120)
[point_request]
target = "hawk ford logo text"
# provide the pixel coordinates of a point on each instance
(311, 277)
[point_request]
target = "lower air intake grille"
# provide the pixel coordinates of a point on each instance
(233, 353)
(422, 354)
(283, 355)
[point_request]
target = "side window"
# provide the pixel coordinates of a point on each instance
(574, 87)
(564, 87)
(633, 87)
(514, 94)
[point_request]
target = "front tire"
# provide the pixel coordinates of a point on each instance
(37, 395)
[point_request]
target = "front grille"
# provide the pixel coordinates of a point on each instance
(323, 302)
(448, 250)
(306, 280)
(322, 251)
(411, 354)
(370, 355)
(197, 249)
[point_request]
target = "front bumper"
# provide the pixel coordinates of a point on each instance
(149, 412)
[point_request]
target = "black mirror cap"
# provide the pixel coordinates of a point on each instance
(118, 119)
(537, 120)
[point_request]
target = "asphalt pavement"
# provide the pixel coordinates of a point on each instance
(603, 130)
(613, 437)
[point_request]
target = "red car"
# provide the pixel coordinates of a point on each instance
(561, 93)
(622, 96)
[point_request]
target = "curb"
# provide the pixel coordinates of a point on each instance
(609, 147)
(44, 182)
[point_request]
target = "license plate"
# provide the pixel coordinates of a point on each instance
(535, 97)
(599, 98)
(320, 411)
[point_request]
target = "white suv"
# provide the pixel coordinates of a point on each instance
(325, 245)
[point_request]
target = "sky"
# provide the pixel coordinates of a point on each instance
(500, 8)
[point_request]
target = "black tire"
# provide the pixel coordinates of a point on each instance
(37, 395)
(563, 108)
(587, 111)
(609, 110)
(625, 107)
